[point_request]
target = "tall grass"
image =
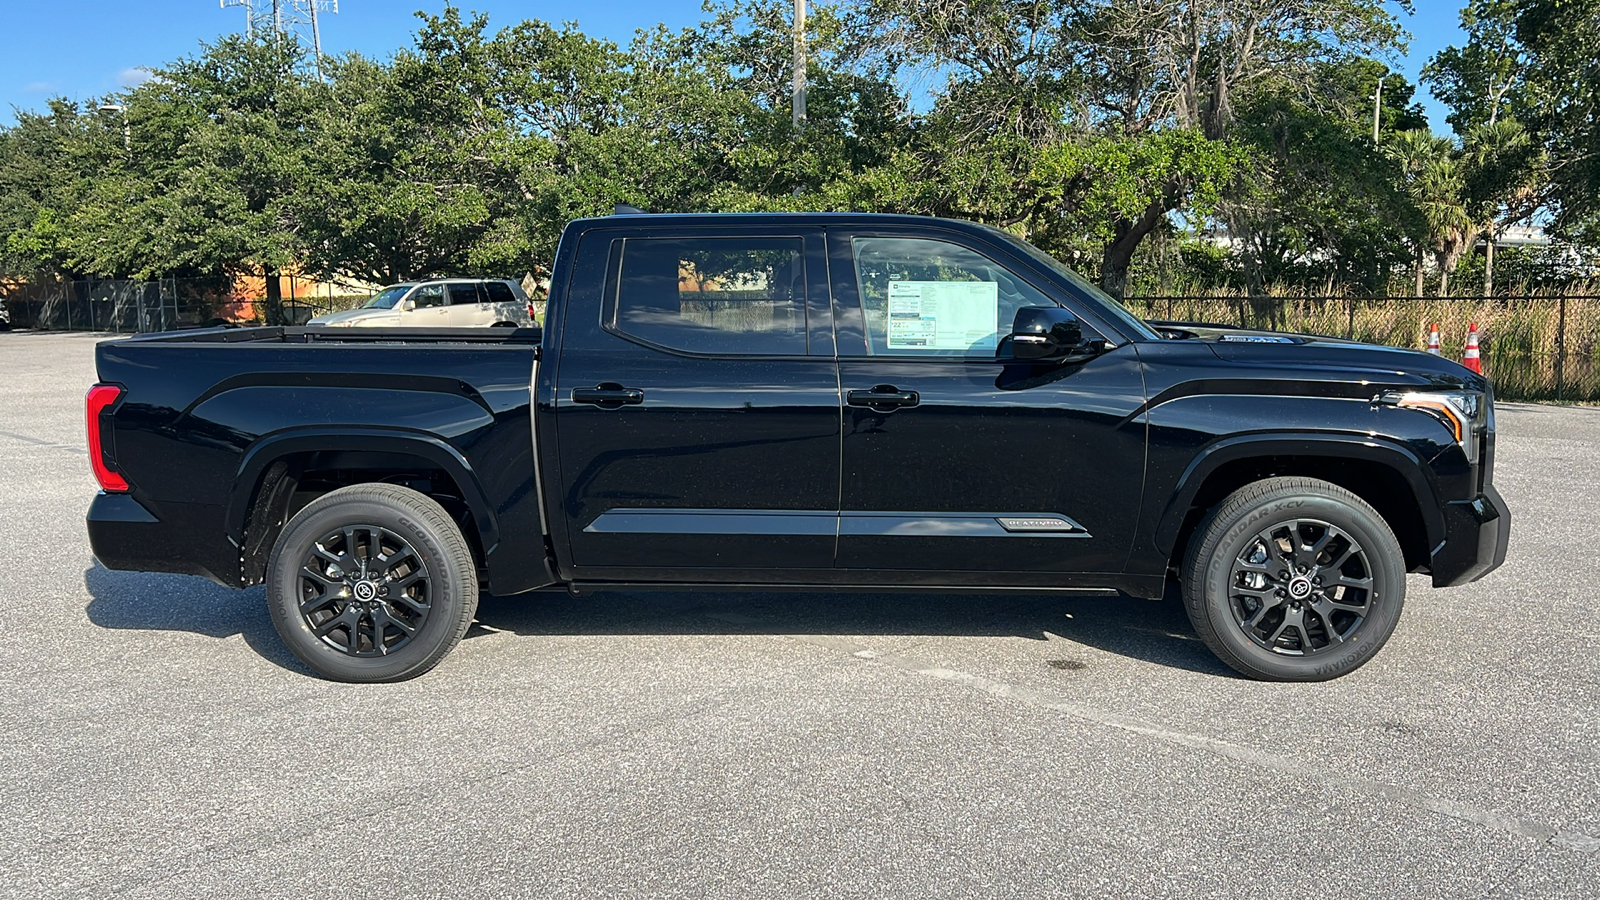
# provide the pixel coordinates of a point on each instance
(1531, 347)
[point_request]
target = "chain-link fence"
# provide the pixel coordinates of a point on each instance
(126, 307)
(1541, 347)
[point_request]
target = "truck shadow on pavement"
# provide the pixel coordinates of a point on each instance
(1153, 631)
(149, 601)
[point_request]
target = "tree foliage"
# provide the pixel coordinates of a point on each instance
(1106, 132)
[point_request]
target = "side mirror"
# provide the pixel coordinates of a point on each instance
(407, 305)
(1050, 333)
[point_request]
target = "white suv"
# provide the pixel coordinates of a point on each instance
(440, 303)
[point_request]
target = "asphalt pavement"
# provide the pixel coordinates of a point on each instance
(157, 741)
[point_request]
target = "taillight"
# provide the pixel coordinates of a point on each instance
(532, 316)
(101, 397)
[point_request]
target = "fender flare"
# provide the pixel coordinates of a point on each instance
(1367, 448)
(269, 449)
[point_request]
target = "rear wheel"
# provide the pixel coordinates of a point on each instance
(372, 582)
(1294, 579)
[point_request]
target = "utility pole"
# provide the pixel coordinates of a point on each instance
(799, 98)
(1377, 104)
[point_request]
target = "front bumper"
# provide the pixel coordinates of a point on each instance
(1476, 534)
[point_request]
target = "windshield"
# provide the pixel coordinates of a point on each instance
(387, 298)
(1110, 306)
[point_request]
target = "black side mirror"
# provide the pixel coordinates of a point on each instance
(1050, 333)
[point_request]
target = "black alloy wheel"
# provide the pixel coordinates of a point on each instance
(1294, 579)
(372, 582)
(364, 590)
(1301, 587)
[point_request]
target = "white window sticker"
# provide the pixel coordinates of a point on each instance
(944, 315)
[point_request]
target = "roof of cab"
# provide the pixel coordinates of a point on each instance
(813, 219)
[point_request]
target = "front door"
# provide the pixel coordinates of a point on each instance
(427, 308)
(698, 406)
(959, 462)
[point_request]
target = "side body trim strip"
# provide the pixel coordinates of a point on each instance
(849, 523)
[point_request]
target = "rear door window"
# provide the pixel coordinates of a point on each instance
(464, 294)
(715, 295)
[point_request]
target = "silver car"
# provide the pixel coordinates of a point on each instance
(440, 303)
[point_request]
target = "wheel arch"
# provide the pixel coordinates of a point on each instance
(1388, 476)
(270, 473)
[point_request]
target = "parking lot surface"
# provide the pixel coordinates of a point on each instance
(157, 741)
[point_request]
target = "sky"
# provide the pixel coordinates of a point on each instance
(87, 48)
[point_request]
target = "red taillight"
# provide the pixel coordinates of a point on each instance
(532, 316)
(101, 396)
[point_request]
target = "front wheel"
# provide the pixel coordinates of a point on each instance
(1294, 579)
(371, 582)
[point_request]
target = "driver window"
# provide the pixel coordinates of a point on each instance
(923, 297)
(428, 295)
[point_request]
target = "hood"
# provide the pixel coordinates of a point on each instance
(1330, 357)
(351, 317)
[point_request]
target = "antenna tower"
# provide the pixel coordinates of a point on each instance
(292, 18)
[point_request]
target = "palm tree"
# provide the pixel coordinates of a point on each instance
(1433, 179)
(1506, 182)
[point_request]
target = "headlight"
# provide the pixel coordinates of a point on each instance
(1466, 413)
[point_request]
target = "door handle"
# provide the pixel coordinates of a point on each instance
(609, 395)
(883, 395)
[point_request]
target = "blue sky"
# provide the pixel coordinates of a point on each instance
(87, 48)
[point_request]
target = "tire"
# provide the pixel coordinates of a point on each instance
(351, 621)
(1316, 624)
(504, 325)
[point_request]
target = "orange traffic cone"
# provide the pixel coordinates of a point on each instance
(1433, 339)
(1470, 360)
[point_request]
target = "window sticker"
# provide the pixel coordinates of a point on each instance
(944, 315)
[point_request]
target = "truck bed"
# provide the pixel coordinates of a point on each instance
(222, 432)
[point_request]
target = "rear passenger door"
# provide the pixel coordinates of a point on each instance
(697, 405)
(468, 306)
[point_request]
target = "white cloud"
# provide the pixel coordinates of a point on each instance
(132, 78)
(39, 87)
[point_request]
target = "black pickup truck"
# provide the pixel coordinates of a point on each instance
(835, 402)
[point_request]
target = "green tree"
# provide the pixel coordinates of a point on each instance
(1507, 182)
(1485, 78)
(1434, 180)
(1563, 86)
(421, 167)
(1023, 76)
(1318, 200)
